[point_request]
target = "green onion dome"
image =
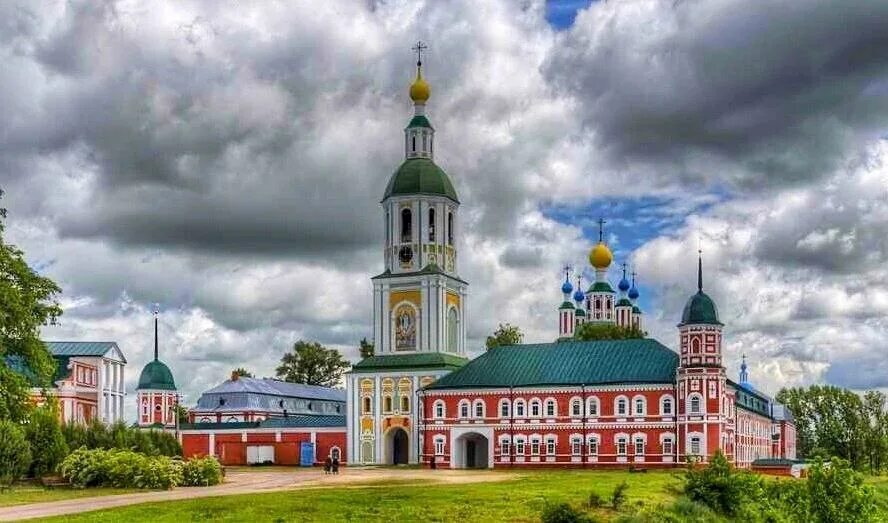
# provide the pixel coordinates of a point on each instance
(420, 176)
(157, 376)
(700, 309)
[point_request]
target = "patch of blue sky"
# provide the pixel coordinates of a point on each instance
(561, 13)
(630, 222)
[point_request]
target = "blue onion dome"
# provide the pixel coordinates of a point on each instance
(567, 288)
(624, 284)
(633, 293)
(579, 296)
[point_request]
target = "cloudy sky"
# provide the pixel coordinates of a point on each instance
(226, 160)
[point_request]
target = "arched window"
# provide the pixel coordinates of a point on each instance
(479, 409)
(450, 228)
(576, 445)
(440, 441)
(439, 409)
(550, 408)
(551, 444)
(535, 408)
(367, 407)
(504, 408)
(593, 445)
(519, 408)
(639, 446)
(576, 407)
(387, 404)
(666, 405)
(695, 345)
(535, 445)
(695, 404)
(464, 409)
(406, 225)
(452, 330)
(405, 404)
(639, 405)
(431, 225)
(621, 406)
(621, 443)
(593, 409)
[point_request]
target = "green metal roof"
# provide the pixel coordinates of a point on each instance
(600, 286)
(297, 421)
(420, 121)
(420, 176)
(566, 305)
(580, 312)
(624, 302)
(636, 310)
(81, 348)
(156, 375)
(424, 360)
(700, 309)
(567, 363)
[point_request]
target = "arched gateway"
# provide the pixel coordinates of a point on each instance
(397, 447)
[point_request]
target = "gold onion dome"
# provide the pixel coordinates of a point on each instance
(419, 89)
(600, 256)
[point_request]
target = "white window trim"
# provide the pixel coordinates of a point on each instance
(702, 403)
(554, 404)
(475, 405)
(576, 400)
(530, 404)
(523, 405)
(643, 403)
(663, 399)
(593, 400)
(617, 404)
(443, 405)
(459, 409)
(504, 402)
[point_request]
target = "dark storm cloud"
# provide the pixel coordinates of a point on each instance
(755, 94)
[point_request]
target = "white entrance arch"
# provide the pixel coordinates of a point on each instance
(471, 447)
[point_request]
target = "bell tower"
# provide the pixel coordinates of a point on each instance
(419, 300)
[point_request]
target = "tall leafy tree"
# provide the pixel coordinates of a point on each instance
(832, 421)
(28, 302)
(505, 334)
(313, 364)
(367, 348)
(594, 331)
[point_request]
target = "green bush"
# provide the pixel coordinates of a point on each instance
(121, 468)
(722, 488)
(201, 472)
(682, 510)
(563, 513)
(833, 493)
(15, 453)
(44, 435)
(618, 497)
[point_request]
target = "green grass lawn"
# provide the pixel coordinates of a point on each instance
(519, 499)
(21, 495)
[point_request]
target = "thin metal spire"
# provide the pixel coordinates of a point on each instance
(601, 223)
(700, 270)
(419, 48)
(156, 312)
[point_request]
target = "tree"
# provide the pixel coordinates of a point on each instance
(28, 303)
(241, 372)
(831, 421)
(595, 331)
(44, 434)
(182, 413)
(313, 364)
(15, 454)
(367, 348)
(505, 334)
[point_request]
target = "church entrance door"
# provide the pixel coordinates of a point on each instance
(400, 447)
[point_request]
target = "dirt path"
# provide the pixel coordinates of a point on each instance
(252, 481)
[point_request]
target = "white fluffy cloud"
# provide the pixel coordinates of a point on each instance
(226, 162)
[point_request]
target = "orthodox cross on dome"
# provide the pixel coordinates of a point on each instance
(601, 223)
(566, 272)
(419, 48)
(624, 270)
(634, 274)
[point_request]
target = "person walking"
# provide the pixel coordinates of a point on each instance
(328, 465)
(335, 465)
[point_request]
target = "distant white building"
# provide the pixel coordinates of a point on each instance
(89, 380)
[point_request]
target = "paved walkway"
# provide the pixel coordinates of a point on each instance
(251, 481)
